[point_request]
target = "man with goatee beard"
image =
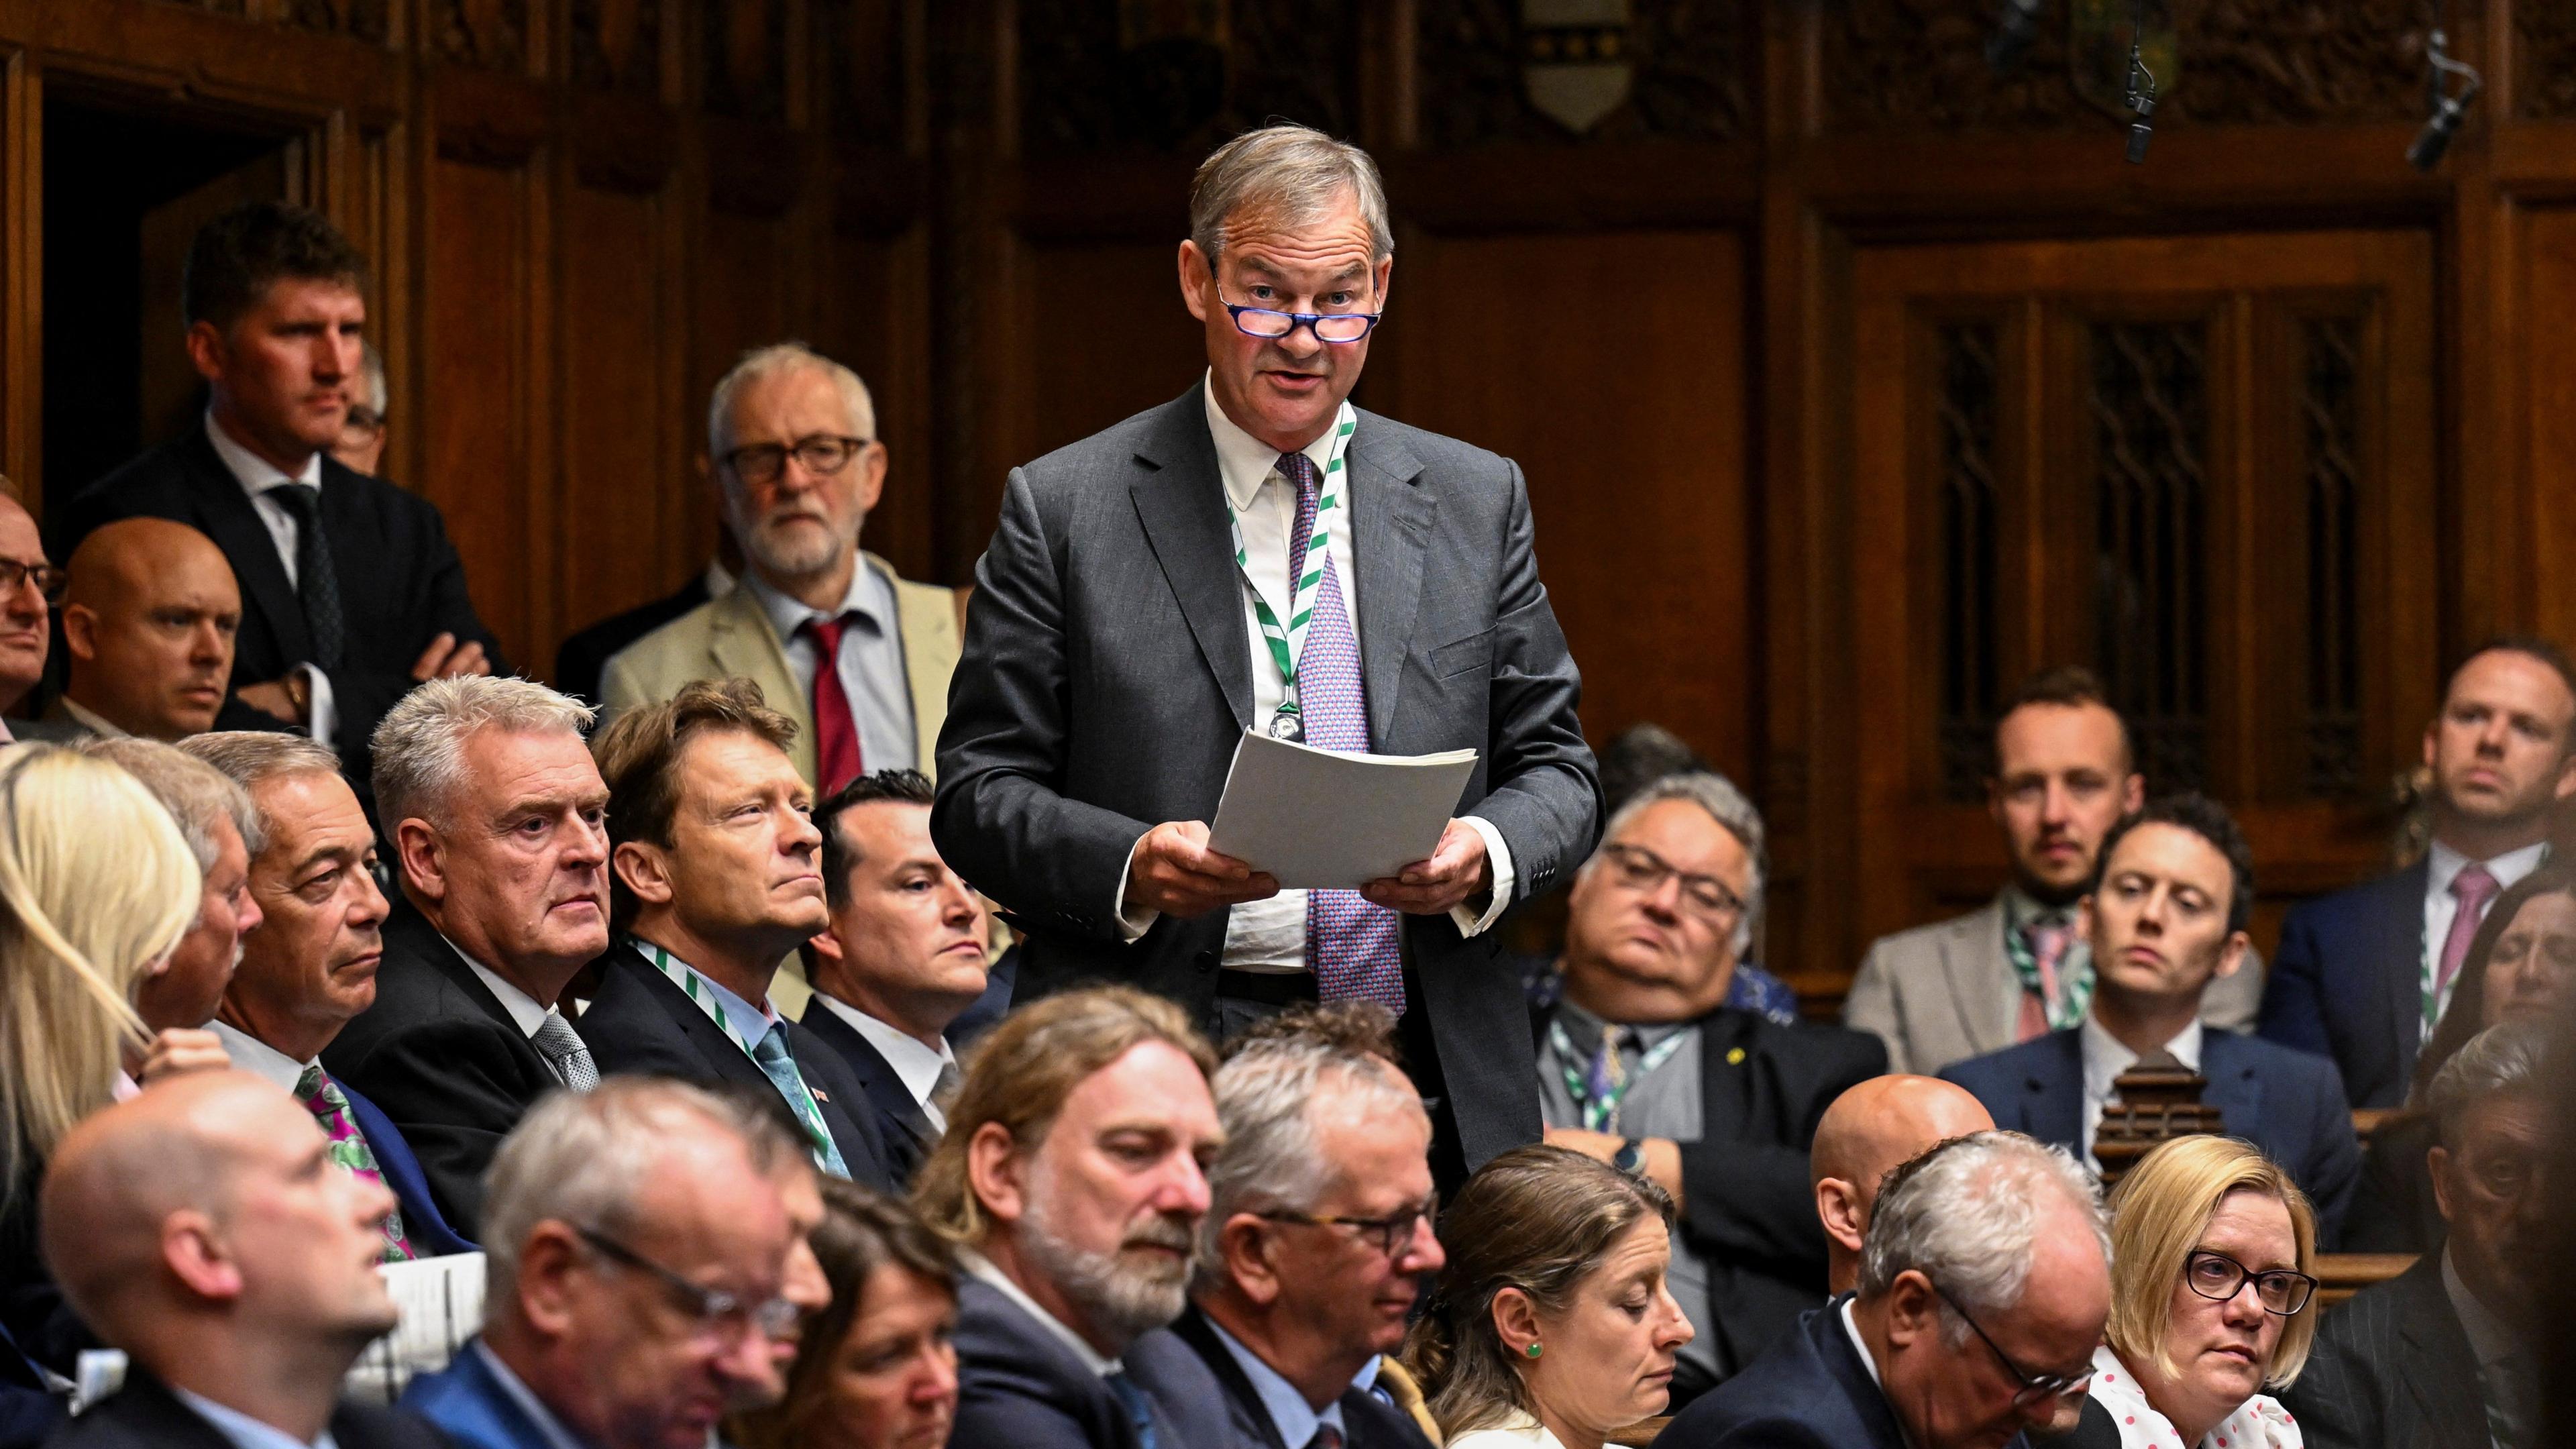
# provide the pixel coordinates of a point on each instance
(1073, 1179)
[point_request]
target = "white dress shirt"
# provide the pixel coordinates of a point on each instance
(1270, 936)
(258, 477)
(1294, 1418)
(915, 1065)
(526, 1012)
(979, 1266)
(2105, 1058)
(870, 662)
(244, 1431)
(2443, 866)
(258, 1058)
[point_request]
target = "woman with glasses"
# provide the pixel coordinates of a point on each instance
(2213, 1254)
(1551, 1327)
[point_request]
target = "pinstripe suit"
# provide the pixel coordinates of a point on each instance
(2392, 1369)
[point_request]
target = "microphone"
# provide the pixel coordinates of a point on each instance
(2449, 109)
(2014, 32)
(2142, 102)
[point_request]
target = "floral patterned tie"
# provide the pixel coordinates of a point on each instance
(322, 1097)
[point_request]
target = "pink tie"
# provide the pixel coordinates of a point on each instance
(2473, 887)
(2048, 945)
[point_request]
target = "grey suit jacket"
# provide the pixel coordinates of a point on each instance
(1106, 679)
(1946, 992)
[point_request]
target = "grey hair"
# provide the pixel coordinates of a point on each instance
(420, 744)
(769, 361)
(1296, 170)
(1966, 1215)
(2508, 1057)
(248, 757)
(1726, 805)
(584, 1158)
(195, 793)
(1273, 1097)
(372, 363)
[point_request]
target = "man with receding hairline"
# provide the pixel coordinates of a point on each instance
(27, 579)
(1870, 1131)
(149, 617)
(202, 1228)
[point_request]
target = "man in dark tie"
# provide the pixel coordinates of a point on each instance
(904, 955)
(1318, 1236)
(310, 966)
(715, 882)
(150, 617)
(202, 1229)
(351, 591)
(2364, 973)
(1259, 555)
(1072, 1179)
(498, 822)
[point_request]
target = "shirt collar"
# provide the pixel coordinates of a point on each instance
(2443, 866)
(1583, 1029)
(244, 1431)
(869, 596)
(917, 1066)
(1289, 1412)
(91, 720)
(2020, 909)
(2490, 1338)
(1245, 461)
(1860, 1346)
(257, 1057)
(517, 1391)
(749, 1022)
(984, 1269)
(2106, 1057)
(524, 1010)
(256, 474)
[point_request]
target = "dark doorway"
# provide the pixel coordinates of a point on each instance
(126, 186)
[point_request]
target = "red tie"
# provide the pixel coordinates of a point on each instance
(836, 730)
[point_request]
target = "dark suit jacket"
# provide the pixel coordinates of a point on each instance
(1810, 1389)
(1748, 1199)
(2392, 1368)
(428, 1229)
(2393, 1208)
(469, 1405)
(146, 1415)
(2348, 984)
(584, 656)
(643, 1024)
(2287, 1103)
(1020, 1385)
(1367, 1421)
(1108, 678)
(401, 583)
(441, 1055)
(899, 1119)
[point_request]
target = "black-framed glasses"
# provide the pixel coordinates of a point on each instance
(48, 579)
(1389, 1235)
(1643, 871)
(2034, 1387)
(364, 418)
(1269, 324)
(2215, 1275)
(822, 455)
(722, 1315)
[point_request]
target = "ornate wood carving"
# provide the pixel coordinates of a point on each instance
(1134, 76)
(1966, 404)
(2149, 406)
(238, 9)
(2545, 52)
(367, 20)
(617, 45)
(489, 33)
(746, 59)
(1693, 62)
(2330, 409)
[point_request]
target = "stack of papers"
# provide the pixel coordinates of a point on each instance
(1327, 820)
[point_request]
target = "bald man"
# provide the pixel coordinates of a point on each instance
(203, 1228)
(1870, 1131)
(149, 618)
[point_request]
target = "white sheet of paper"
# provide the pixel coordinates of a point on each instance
(441, 1303)
(1324, 819)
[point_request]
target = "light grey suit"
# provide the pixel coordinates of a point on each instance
(1946, 992)
(1107, 677)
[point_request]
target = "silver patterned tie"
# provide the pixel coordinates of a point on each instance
(561, 1046)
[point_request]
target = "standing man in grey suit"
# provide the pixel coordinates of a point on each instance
(2065, 773)
(1137, 612)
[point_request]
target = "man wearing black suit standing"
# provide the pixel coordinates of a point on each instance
(497, 819)
(903, 957)
(1137, 612)
(352, 593)
(714, 881)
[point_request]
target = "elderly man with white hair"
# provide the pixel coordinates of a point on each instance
(1644, 1064)
(1984, 1287)
(497, 821)
(792, 448)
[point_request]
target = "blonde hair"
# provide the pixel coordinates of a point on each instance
(96, 884)
(2159, 1212)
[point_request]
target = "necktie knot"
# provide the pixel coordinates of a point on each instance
(2473, 886)
(564, 1050)
(1299, 471)
(301, 499)
(827, 632)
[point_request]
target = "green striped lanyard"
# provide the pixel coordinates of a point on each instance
(1601, 1110)
(686, 977)
(1288, 645)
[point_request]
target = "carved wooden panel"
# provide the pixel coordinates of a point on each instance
(1182, 77)
(1967, 406)
(745, 46)
(2148, 404)
(874, 315)
(2545, 57)
(2548, 244)
(483, 466)
(865, 68)
(617, 45)
(492, 34)
(1692, 65)
(238, 9)
(367, 20)
(623, 478)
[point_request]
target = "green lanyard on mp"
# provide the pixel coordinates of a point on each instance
(1601, 1110)
(1288, 645)
(687, 979)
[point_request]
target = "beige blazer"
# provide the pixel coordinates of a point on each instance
(1946, 992)
(732, 636)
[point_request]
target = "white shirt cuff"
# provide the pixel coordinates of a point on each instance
(322, 718)
(1132, 927)
(1471, 921)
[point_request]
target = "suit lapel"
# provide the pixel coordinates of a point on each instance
(234, 523)
(876, 1075)
(1973, 960)
(1180, 503)
(1390, 522)
(741, 642)
(727, 1060)
(157, 1416)
(2052, 1103)
(1243, 1399)
(2439, 1366)
(2235, 1088)
(925, 621)
(1724, 1104)
(2402, 927)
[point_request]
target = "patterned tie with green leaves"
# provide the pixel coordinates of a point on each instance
(322, 1097)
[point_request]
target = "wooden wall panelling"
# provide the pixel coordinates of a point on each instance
(2546, 238)
(874, 314)
(22, 349)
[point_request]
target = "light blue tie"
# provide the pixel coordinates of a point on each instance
(1140, 1410)
(779, 1065)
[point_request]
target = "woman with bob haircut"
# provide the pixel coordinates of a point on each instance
(2213, 1262)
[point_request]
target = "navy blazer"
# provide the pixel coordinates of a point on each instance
(145, 1414)
(900, 1120)
(2288, 1103)
(466, 1401)
(426, 1227)
(642, 1024)
(1811, 1388)
(1368, 1422)
(1020, 1385)
(2349, 984)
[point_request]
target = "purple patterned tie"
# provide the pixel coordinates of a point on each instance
(1351, 944)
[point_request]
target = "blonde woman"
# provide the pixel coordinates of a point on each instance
(2213, 1262)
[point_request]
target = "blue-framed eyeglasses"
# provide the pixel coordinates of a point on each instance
(1270, 325)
